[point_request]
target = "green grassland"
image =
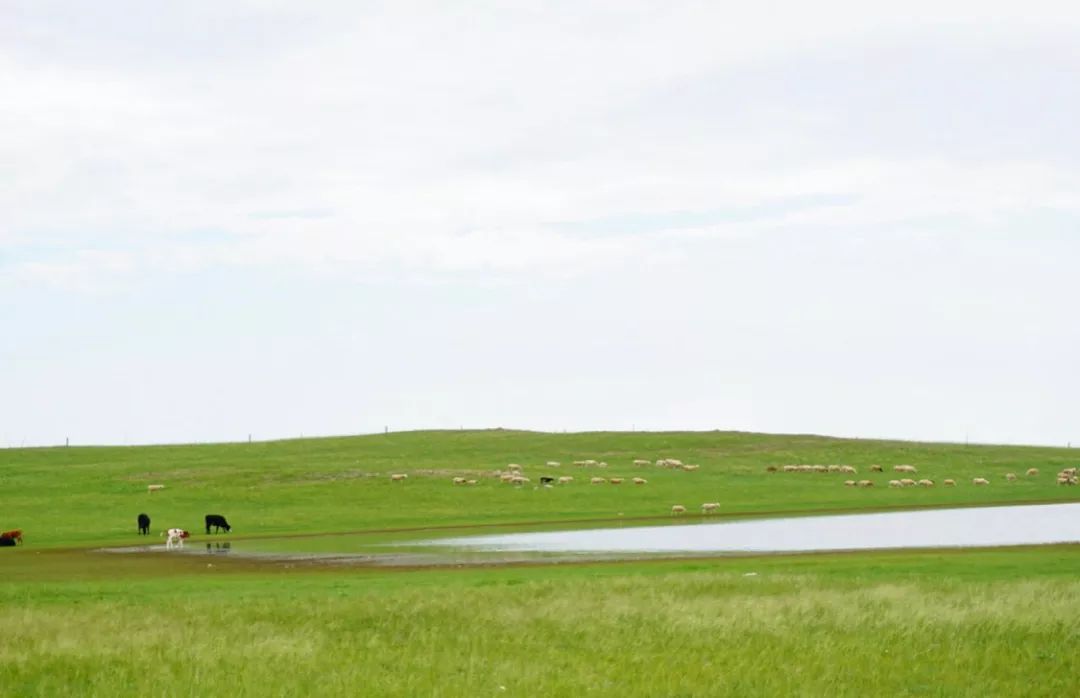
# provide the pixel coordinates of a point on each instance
(75, 621)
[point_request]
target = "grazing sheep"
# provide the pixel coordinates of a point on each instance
(580, 463)
(848, 469)
(979, 481)
(791, 468)
(1010, 476)
(833, 468)
(865, 483)
(1032, 472)
(514, 468)
(926, 483)
(519, 480)
(507, 477)
(849, 483)
(601, 464)
(399, 477)
(616, 480)
(905, 469)
(590, 462)
(154, 488)
(895, 483)
(690, 468)
(470, 482)
(553, 464)
(876, 469)
(565, 479)
(678, 509)
(821, 468)
(597, 481)
(640, 481)
(458, 481)
(907, 482)
(1066, 480)
(949, 483)
(1069, 471)
(641, 461)
(709, 507)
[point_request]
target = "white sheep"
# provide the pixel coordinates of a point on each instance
(616, 481)
(514, 468)
(1010, 477)
(553, 464)
(979, 481)
(709, 507)
(690, 468)
(848, 469)
(399, 477)
(459, 481)
(565, 479)
(640, 481)
(905, 469)
(678, 509)
(926, 483)
(895, 483)
(949, 482)
(865, 483)
(1032, 472)
(154, 488)
(597, 481)
(641, 461)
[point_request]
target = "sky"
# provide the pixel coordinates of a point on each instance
(308, 218)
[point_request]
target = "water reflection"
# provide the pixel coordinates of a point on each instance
(969, 527)
(218, 548)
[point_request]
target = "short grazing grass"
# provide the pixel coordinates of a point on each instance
(75, 622)
(69, 496)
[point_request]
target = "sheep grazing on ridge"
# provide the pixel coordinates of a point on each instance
(949, 483)
(616, 481)
(833, 468)
(848, 469)
(895, 483)
(820, 468)
(866, 483)
(849, 483)
(1011, 477)
(1032, 472)
(925, 483)
(979, 481)
(710, 507)
(640, 481)
(678, 509)
(904, 469)
(566, 479)
(907, 482)
(399, 477)
(597, 481)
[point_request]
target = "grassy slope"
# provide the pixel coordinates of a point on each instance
(984, 623)
(65, 496)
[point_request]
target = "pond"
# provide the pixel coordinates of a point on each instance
(967, 527)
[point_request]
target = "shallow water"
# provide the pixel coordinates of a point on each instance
(968, 527)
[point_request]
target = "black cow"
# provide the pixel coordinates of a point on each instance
(218, 522)
(144, 525)
(7, 542)
(546, 480)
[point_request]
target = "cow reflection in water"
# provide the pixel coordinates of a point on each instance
(218, 548)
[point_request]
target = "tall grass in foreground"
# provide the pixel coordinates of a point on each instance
(686, 634)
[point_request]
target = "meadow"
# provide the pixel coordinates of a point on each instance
(76, 621)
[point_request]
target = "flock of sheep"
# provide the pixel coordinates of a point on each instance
(1065, 477)
(513, 475)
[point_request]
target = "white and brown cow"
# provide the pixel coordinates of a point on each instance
(174, 537)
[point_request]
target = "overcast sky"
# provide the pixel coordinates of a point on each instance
(223, 218)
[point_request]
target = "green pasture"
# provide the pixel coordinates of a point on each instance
(83, 496)
(75, 621)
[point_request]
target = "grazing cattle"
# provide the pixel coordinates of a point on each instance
(15, 536)
(154, 488)
(174, 537)
(547, 480)
(218, 522)
(144, 524)
(678, 509)
(7, 543)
